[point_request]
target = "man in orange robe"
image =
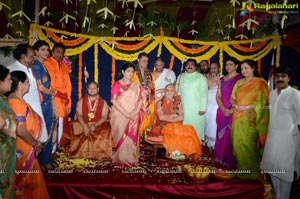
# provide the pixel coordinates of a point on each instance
(176, 136)
(90, 136)
(61, 84)
(144, 76)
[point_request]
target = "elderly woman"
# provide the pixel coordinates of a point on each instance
(7, 138)
(29, 178)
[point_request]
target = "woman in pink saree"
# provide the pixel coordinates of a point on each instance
(126, 116)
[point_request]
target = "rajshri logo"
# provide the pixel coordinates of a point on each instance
(270, 8)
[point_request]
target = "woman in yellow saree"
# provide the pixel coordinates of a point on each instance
(29, 177)
(250, 97)
(126, 117)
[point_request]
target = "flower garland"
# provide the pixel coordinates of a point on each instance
(113, 70)
(80, 76)
(96, 62)
(253, 49)
(171, 62)
(174, 45)
(191, 50)
(74, 42)
(127, 56)
(259, 66)
(221, 60)
(131, 47)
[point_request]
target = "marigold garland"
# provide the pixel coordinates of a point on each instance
(131, 47)
(259, 66)
(80, 76)
(191, 50)
(96, 61)
(130, 57)
(253, 49)
(171, 62)
(73, 42)
(113, 70)
(221, 61)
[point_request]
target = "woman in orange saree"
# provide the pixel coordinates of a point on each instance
(126, 116)
(29, 177)
(250, 97)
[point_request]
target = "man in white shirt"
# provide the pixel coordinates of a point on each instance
(281, 156)
(24, 56)
(163, 76)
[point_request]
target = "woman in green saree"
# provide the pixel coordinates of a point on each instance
(250, 97)
(7, 138)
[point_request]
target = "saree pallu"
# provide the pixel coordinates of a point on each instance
(42, 75)
(29, 177)
(183, 138)
(223, 147)
(7, 151)
(125, 132)
(96, 145)
(249, 127)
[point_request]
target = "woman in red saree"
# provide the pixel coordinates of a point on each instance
(29, 181)
(126, 116)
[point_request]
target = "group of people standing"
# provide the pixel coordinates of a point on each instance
(251, 128)
(35, 94)
(231, 113)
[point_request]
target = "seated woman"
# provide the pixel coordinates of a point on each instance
(90, 136)
(29, 177)
(176, 136)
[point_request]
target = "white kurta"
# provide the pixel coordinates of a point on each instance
(192, 87)
(165, 78)
(32, 97)
(282, 148)
(210, 117)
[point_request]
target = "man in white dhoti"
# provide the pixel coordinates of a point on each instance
(192, 87)
(212, 106)
(163, 76)
(24, 55)
(281, 156)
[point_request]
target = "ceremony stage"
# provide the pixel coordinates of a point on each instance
(83, 178)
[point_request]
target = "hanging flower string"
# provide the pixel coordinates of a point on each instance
(171, 62)
(113, 70)
(96, 61)
(80, 76)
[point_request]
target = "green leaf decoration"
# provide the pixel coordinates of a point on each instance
(4, 5)
(105, 11)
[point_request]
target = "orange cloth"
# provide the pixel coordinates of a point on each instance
(183, 138)
(60, 81)
(30, 184)
(148, 120)
(97, 145)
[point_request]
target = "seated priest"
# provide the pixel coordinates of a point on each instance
(169, 117)
(91, 133)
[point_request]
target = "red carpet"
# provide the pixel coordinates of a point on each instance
(82, 178)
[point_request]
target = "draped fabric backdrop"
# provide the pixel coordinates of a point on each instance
(103, 57)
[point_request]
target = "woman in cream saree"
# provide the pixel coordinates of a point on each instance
(126, 117)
